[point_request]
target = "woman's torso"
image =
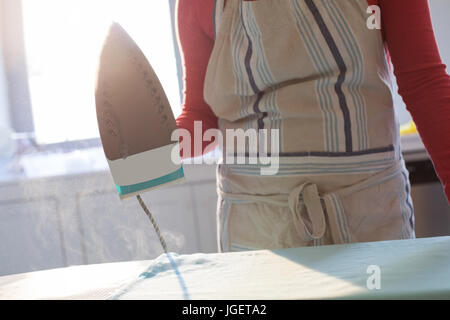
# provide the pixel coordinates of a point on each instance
(311, 69)
(315, 72)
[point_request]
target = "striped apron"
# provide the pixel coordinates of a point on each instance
(315, 72)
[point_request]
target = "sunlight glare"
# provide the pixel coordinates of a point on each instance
(63, 39)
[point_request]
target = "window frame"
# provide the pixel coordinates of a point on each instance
(13, 47)
(16, 75)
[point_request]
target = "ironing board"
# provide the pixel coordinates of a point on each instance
(411, 269)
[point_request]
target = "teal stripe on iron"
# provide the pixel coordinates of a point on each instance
(124, 190)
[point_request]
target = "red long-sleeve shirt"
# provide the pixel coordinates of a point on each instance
(408, 33)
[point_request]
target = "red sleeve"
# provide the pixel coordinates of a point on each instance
(196, 44)
(422, 79)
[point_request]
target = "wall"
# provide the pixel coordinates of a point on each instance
(4, 105)
(78, 219)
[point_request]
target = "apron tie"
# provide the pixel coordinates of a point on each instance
(304, 200)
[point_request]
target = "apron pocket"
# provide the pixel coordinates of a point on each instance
(374, 213)
(254, 226)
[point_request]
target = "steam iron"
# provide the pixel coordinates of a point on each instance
(135, 120)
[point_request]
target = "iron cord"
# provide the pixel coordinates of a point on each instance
(155, 225)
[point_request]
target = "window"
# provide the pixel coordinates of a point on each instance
(63, 39)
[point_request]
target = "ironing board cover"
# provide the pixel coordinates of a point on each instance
(413, 269)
